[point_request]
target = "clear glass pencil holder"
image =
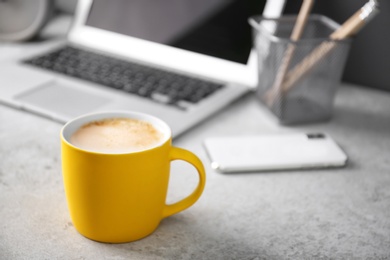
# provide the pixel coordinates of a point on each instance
(298, 80)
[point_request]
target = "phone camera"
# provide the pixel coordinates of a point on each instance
(316, 136)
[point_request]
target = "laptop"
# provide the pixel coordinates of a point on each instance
(179, 60)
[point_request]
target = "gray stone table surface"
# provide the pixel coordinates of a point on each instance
(313, 214)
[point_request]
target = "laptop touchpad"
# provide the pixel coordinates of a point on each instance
(57, 98)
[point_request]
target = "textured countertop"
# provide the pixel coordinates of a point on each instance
(314, 214)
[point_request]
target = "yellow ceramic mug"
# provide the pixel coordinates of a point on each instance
(119, 198)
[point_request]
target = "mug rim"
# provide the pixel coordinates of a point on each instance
(75, 123)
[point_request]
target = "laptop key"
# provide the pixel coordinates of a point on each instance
(161, 98)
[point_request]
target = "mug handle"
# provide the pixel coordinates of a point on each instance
(182, 154)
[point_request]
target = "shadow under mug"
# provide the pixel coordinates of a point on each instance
(121, 197)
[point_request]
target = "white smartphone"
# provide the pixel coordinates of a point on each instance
(283, 151)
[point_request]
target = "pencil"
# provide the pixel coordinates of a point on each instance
(349, 28)
(289, 53)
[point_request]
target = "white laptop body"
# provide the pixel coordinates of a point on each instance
(61, 97)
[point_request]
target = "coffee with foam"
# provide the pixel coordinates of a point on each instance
(117, 135)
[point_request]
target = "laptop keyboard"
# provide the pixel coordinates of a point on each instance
(159, 85)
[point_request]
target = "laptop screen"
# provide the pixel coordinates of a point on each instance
(217, 28)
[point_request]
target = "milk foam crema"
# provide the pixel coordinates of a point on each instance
(116, 135)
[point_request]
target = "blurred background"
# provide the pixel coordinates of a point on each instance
(369, 57)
